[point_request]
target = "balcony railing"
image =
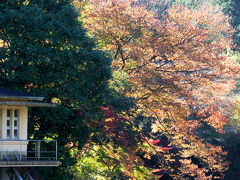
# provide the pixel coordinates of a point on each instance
(28, 153)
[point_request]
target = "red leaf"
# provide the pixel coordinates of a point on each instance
(154, 141)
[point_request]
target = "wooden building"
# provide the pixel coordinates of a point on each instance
(17, 152)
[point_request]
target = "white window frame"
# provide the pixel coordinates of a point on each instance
(11, 120)
(8, 120)
(15, 127)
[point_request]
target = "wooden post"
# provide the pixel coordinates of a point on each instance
(38, 149)
(12, 123)
(4, 123)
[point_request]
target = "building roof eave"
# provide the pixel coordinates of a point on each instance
(26, 103)
(12, 95)
(27, 98)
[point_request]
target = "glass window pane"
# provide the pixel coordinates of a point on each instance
(8, 113)
(8, 133)
(15, 133)
(8, 122)
(15, 113)
(15, 123)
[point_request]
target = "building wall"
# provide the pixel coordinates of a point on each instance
(13, 144)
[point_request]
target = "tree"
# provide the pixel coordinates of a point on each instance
(160, 7)
(232, 9)
(179, 73)
(45, 51)
(192, 3)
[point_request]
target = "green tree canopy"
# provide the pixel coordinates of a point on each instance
(44, 50)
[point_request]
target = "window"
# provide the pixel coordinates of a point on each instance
(8, 123)
(1, 122)
(15, 124)
(12, 123)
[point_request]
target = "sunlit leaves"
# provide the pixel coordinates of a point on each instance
(178, 69)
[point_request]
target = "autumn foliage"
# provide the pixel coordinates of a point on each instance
(180, 75)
